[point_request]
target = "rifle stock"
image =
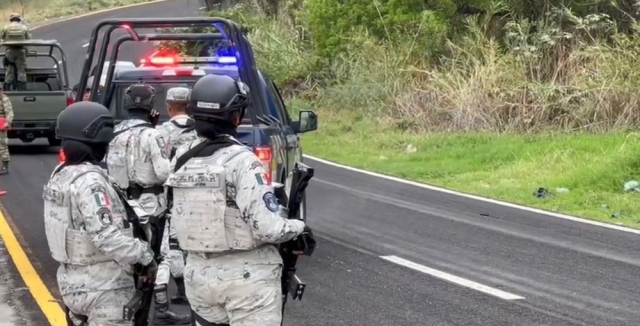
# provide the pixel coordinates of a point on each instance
(291, 283)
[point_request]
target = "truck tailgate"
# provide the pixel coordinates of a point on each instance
(37, 105)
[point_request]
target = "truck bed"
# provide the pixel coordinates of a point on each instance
(37, 105)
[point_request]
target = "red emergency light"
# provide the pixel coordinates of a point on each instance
(162, 61)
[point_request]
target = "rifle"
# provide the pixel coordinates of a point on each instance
(291, 284)
(137, 309)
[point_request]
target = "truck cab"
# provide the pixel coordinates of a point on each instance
(36, 109)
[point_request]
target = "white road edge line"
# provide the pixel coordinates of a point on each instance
(483, 199)
(452, 278)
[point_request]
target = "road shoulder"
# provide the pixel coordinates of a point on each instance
(17, 305)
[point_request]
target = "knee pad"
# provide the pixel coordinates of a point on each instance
(196, 320)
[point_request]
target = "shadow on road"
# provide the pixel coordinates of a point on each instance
(32, 149)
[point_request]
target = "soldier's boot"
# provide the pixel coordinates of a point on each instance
(162, 314)
(5, 168)
(180, 297)
(21, 86)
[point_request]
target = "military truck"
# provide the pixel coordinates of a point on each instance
(47, 94)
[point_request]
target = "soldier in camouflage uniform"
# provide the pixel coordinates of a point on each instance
(15, 60)
(178, 130)
(226, 216)
(6, 112)
(87, 229)
(138, 160)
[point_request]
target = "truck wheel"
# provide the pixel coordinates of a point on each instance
(53, 141)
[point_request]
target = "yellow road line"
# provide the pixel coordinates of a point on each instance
(49, 306)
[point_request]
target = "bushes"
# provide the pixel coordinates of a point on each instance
(428, 65)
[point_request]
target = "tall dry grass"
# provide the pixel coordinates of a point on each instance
(572, 73)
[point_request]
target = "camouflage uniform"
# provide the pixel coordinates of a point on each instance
(177, 132)
(228, 220)
(15, 56)
(6, 112)
(87, 232)
(140, 156)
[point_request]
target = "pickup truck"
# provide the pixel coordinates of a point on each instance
(267, 126)
(47, 94)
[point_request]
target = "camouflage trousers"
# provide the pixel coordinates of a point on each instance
(101, 308)
(173, 262)
(4, 146)
(18, 68)
(227, 291)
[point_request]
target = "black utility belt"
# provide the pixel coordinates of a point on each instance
(173, 244)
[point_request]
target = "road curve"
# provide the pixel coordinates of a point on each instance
(449, 260)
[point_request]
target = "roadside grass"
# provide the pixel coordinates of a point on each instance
(487, 119)
(593, 168)
(36, 11)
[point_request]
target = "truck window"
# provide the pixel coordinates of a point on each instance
(281, 101)
(44, 84)
(276, 104)
(117, 104)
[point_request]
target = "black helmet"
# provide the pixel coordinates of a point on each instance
(218, 97)
(139, 96)
(87, 122)
(15, 18)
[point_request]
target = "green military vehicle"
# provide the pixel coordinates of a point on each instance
(37, 108)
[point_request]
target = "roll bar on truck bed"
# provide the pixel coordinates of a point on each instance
(227, 29)
(59, 63)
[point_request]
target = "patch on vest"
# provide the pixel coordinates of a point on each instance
(104, 215)
(271, 202)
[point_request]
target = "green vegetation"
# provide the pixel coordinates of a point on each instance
(491, 98)
(35, 11)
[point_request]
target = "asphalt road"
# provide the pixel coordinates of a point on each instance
(568, 273)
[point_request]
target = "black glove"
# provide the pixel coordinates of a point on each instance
(154, 117)
(151, 270)
(305, 242)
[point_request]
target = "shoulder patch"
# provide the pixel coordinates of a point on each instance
(104, 215)
(255, 165)
(261, 178)
(271, 202)
(101, 199)
(162, 143)
(98, 188)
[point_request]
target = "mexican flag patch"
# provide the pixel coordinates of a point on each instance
(160, 141)
(101, 199)
(262, 178)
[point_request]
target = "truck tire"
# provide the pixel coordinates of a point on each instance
(53, 141)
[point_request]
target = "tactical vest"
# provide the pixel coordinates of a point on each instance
(15, 32)
(66, 244)
(179, 133)
(121, 164)
(200, 215)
